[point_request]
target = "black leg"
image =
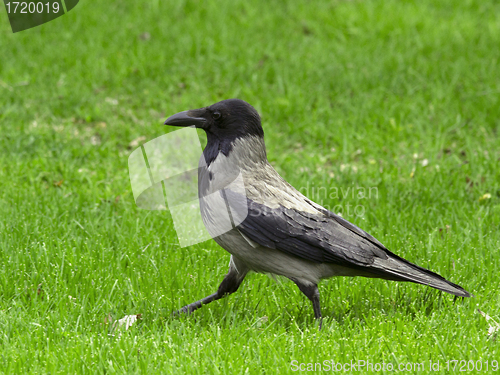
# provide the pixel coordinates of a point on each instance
(230, 284)
(311, 291)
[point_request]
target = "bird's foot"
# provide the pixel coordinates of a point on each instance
(320, 323)
(183, 311)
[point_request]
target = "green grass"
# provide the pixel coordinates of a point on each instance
(351, 93)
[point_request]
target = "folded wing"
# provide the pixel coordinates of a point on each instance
(325, 237)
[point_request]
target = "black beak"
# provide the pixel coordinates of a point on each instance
(185, 118)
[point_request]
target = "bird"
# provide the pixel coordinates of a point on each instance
(276, 229)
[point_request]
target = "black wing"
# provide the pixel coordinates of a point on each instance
(322, 238)
(328, 238)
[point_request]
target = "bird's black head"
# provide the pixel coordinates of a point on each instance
(225, 120)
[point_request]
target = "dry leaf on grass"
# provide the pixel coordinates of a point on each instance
(136, 141)
(494, 326)
(485, 197)
(127, 321)
(111, 101)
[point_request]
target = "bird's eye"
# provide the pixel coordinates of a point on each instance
(216, 115)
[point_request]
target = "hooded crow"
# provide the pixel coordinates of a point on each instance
(282, 232)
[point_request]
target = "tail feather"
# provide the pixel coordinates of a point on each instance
(399, 269)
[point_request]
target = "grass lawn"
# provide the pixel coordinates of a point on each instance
(387, 111)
